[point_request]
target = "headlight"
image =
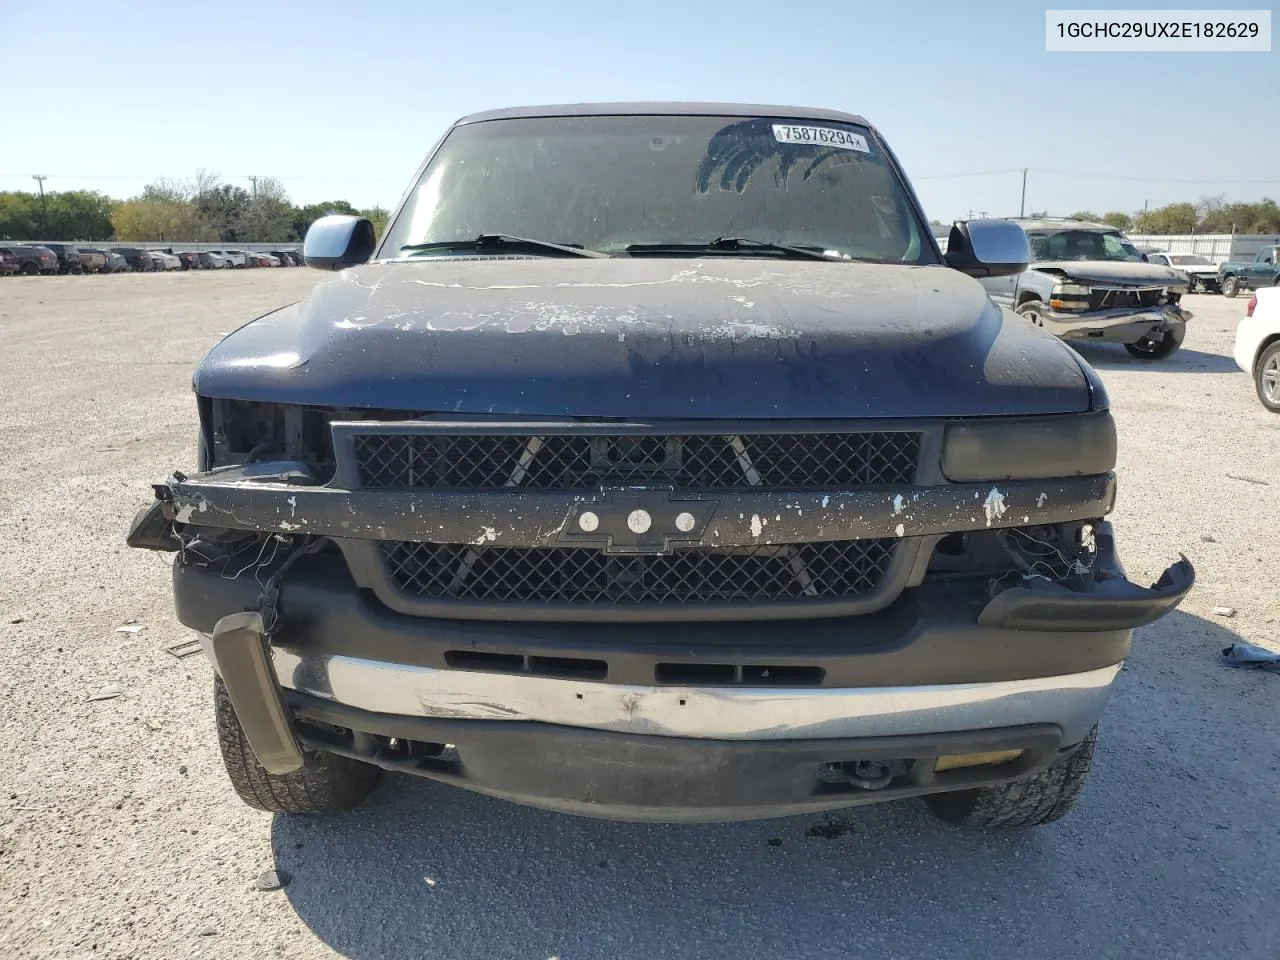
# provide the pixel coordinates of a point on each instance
(1069, 296)
(1030, 448)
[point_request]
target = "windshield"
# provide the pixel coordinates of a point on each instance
(1189, 260)
(609, 182)
(1081, 245)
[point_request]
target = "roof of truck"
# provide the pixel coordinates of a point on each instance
(1061, 223)
(663, 108)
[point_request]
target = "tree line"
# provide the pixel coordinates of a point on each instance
(1207, 215)
(201, 209)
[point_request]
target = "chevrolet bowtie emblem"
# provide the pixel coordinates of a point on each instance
(637, 522)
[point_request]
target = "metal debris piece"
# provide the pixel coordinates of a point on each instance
(133, 627)
(1224, 611)
(272, 880)
(1248, 655)
(105, 693)
(1261, 483)
(184, 648)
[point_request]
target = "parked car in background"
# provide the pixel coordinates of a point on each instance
(1087, 281)
(266, 259)
(31, 259)
(1263, 271)
(1201, 271)
(48, 259)
(139, 260)
(189, 259)
(283, 258)
(237, 258)
(116, 263)
(165, 260)
(9, 262)
(92, 260)
(1257, 349)
(208, 260)
(69, 259)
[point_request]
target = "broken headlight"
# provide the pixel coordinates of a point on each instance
(1069, 296)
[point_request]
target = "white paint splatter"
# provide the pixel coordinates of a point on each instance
(1041, 499)
(825, 501)
(994, 506)
(756, 526)
(900, 530)
(293, 506)
(897, 503)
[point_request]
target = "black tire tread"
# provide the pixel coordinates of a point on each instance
(327, 783)
(1035, 801)
(1266, 354)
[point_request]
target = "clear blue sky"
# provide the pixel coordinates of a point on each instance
(343, 102)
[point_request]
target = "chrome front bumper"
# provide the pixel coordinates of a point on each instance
(1122, 325)
(1072, 702)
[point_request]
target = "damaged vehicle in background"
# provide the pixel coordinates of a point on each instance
(647, 515)
(1086, 281)
(1202, 273)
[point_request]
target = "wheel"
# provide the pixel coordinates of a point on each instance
(327, 783)
(1031, 310)
(1040, 799)
(1148, 349)
(29, 270)
(1230, 286)
(1267, 378)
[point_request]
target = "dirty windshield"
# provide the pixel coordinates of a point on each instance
(1081, 245)
(607, 183)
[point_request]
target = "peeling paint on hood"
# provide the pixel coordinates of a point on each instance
(649, 337)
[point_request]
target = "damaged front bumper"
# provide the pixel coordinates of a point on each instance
(688, 721)
(1120, 325)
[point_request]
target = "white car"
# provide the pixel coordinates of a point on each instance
(1201, 271)
(234, 258)
(171, 262)
(1257, 350)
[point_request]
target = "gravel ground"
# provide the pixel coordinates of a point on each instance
(121, 837)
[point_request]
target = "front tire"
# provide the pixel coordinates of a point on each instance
(1147, 349)
(1267, 378)
(1032, 311)
(1230, 286)
(1037, 800)
(326, 783)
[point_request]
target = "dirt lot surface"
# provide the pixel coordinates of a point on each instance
(121, 837)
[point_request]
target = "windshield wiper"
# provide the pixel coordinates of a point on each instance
(503, 241)
(732, 244)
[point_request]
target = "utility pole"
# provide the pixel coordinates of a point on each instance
(40, 178)
(256, 213)
(1022, 205)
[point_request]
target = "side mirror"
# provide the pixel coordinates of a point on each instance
(338, 242)
(988, 248)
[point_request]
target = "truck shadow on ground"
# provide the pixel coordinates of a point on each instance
(1107, 356)
(1161, 852)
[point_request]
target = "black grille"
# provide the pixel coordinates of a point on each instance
(1110, 298)
(582, 462)
(810, 571)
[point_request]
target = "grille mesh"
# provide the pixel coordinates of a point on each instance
(810, 571)
(792, 461)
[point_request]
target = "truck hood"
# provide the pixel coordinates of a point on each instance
(649, 338)
(1126, 273)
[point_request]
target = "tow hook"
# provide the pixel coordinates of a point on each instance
(866, 774)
